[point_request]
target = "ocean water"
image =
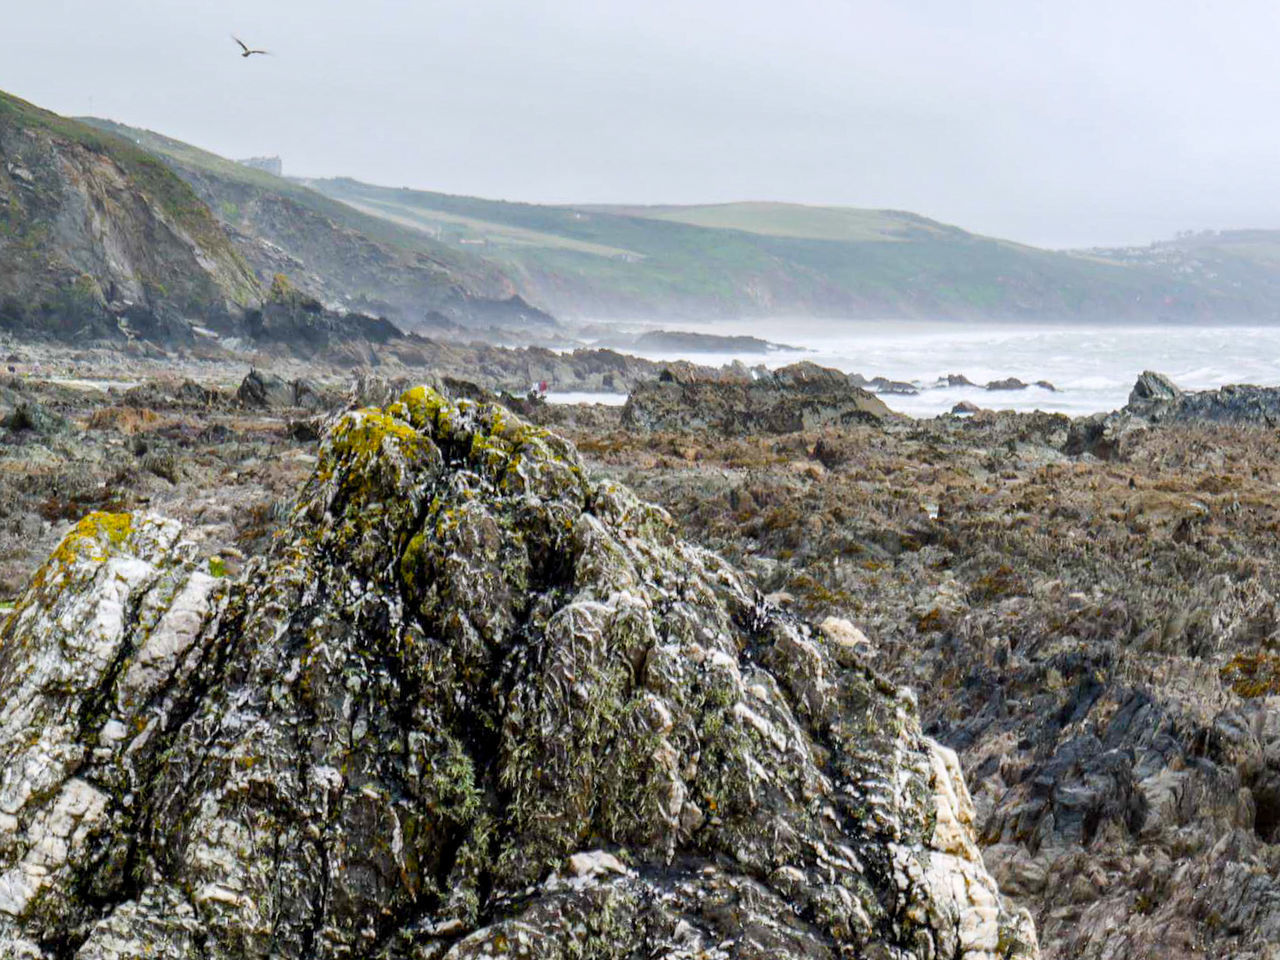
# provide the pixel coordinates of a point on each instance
(1093, 367)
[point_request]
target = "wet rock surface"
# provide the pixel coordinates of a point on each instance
(1095, 638)
(470, 702)
(796, 397)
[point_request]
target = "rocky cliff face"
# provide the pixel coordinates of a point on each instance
(96, 236)
(336, 253)
(472, 703)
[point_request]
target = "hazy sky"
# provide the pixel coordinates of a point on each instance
(1066, 123)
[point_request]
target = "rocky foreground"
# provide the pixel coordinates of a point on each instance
(1089, 611)
(470, 702)
(1086, 609)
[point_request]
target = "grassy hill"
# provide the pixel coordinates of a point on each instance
(402, 252)
(844, 224)
(778, 259)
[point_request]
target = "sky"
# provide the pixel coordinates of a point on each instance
(1064, 124)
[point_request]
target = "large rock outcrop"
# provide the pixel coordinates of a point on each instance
(801, 396)
(1156, 399)
(471, 704)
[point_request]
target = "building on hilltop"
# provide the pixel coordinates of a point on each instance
(272, 165)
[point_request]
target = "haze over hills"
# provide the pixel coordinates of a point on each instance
(108, 232)
(777, 259)
(213, 237)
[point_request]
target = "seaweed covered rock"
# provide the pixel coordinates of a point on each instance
(802, 396)
(471, 704)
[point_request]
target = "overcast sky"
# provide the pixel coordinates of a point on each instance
(1060, 123)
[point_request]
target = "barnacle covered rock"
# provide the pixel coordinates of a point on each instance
(473, 704)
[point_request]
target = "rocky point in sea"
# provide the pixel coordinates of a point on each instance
(741, 402)
(471, 703)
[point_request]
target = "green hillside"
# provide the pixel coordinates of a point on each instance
(776, 259)
(845, 224)
(402, 252)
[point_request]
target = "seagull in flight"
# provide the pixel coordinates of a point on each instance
(247, 51)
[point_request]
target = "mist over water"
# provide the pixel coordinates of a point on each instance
(1093, 367)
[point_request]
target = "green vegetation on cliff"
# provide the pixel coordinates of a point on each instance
(330, 249)
(776, 258)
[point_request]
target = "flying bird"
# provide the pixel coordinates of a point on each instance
(247, 51)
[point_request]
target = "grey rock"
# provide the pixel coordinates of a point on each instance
(1155, 400)
(266, 391)
(471, 703)
(1153, 386)
(796, 397)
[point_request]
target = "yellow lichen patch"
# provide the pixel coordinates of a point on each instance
(359, 437)
(91, 539)
(93, 536)
(424, 407)
(361, 434)
(1253, 674)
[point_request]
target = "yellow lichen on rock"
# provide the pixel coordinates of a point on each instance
(93, 539)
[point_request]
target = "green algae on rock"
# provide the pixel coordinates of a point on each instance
(473, 703)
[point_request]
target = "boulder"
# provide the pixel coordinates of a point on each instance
(1152, 386)
(264, 391)
(472, 703)
(1009, 383)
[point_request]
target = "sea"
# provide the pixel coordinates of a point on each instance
(1092, 367)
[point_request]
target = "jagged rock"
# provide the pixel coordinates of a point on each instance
(1153, 386)
(1152, 393)
(1236, 403)
(471, 703)
(1155, 399)
(900, 387)
(266, 391)
(1009, 383)
(796, 397)
(965, 407)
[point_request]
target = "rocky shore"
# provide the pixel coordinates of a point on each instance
(470, 702)
(1085, 611)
